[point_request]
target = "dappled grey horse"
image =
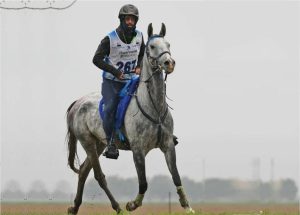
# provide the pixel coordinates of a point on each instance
(148, 124)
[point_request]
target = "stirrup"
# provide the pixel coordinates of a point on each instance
(111, 155)
(111, 151)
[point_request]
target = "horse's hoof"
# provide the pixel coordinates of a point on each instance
(131, 206)
(189, 210)
(72, 210)
(121, 212)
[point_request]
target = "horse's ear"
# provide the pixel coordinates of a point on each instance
(162, 30)
(150, 30)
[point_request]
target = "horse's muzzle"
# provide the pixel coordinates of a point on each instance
(169, 65)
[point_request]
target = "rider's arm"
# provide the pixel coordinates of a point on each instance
(103, 51)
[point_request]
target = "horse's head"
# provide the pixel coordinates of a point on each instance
(158, 50)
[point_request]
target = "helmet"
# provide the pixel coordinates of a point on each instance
(129, 9)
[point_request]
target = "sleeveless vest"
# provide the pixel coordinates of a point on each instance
(123, 56)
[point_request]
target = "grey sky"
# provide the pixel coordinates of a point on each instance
(235, 87)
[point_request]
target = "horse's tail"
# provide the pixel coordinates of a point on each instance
(72, 141)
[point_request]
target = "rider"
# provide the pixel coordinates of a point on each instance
(119, 55)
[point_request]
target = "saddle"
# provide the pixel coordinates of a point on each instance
(125, 97)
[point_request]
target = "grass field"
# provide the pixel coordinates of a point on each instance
(159, 209)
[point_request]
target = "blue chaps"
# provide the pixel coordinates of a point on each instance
(110, 92)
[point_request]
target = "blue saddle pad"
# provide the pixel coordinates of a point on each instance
(125, 97)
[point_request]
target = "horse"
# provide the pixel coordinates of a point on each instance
(148, 124)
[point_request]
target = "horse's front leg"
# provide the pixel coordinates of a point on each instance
(139, 161)
(170, 156)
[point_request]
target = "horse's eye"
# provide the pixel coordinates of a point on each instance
(168, 44)
(152, 46)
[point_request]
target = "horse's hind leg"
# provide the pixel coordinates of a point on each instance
(84, 171)
(99, 176)
(139, 161)
(170, 156)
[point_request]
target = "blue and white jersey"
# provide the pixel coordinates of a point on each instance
(123, 56)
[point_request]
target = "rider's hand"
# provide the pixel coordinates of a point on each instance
(121, 76)
(138, 70)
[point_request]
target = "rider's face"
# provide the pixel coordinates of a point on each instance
(130, 20)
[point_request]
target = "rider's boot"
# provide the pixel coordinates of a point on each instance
(175, 141)
(111, 150)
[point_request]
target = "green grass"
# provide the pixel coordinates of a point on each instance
(127, 213)
(152, 209)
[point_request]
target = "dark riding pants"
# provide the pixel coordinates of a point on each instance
(110, 92)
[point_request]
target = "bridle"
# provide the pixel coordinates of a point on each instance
(153, 61)
(157, 69)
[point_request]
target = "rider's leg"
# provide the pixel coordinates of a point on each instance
(110, 92)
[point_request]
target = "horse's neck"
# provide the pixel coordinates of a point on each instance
(155, 88)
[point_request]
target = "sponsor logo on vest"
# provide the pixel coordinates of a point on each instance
(127, 53)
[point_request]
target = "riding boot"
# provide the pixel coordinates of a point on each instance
(175, 141)
(111, 151)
